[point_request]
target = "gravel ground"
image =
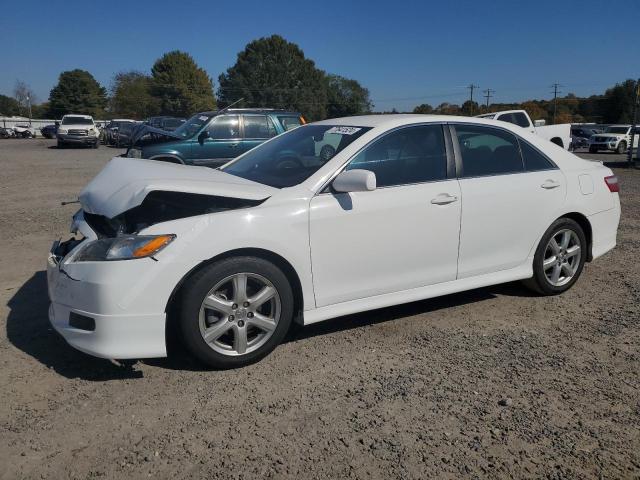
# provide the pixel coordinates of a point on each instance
(490, 383)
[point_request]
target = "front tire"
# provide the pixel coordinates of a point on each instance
(593, 150)
(622, 147)
(559, 258)
(236, 311)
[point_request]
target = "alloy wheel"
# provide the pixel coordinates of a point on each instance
(562, 257)
(239, 314)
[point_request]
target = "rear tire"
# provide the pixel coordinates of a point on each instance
(559, 258)
(227, 326)
(593, 150)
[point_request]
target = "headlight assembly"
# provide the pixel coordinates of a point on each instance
(134, 153)
(122, 248)
(62, 131)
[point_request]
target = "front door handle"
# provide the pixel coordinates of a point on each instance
(233, 145)
(549, 184)
(444, 199)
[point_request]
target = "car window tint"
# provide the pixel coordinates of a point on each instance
(224, 127)
(488, 151)
(521, 119)
(507, 117)
(409, 155)
(258, 126)
(534, 160)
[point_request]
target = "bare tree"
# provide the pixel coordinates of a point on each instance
(24, 96)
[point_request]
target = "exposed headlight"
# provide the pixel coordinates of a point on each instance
(134, 153)
(62, 131)
(122, 248)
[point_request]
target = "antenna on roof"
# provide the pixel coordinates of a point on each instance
(230, 105)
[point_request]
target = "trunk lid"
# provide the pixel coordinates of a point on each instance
(124, 183)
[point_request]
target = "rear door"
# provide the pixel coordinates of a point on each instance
(510, 194)
(222, 144)
(256, 129)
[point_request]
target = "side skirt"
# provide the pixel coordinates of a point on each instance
(521, 272)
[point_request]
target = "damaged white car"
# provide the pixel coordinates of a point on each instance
(406, 207)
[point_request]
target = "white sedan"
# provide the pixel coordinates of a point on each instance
(407, 207)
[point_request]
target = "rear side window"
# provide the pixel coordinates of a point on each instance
(488, 151)
(258, 126)
(409, 155)
(533, 159)
(289, 122)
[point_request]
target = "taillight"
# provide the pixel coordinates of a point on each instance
(302, 120)
(612, 183)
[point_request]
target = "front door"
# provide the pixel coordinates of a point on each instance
(400, 236)
(222, 144)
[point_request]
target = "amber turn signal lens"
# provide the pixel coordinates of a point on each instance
(152, 246)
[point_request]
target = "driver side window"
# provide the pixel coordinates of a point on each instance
(408, 155)
(224, 127)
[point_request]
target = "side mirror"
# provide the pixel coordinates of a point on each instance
(355, 181)
(203, 136)
(539, 123)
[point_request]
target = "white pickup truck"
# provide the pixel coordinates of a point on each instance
(558, 134)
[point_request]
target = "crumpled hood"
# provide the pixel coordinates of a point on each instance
(125, 182)
(146, 129)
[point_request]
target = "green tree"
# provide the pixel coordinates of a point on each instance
(272, 72)
(9, 106)
(77, 92)
(617, 105)
(181, 87)
(470, 108)
(131, 96)
(346, 97)
(423, 108)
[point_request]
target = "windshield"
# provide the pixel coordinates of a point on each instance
(77, 121)
(622, 130)
(192, 126)
(294, 156)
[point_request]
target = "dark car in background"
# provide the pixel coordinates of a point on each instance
(213, 138)
(118, 132)
(165, 123)
(50, 131)
(580, 135)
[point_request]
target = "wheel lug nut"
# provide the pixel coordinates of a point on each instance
(240, 323)
(231, 318)
(234, 306)
(250, 314)
(246, 304)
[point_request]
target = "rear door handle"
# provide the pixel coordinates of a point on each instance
(549, 184)
(444, 199)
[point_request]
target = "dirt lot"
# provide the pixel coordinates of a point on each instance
(490, 383)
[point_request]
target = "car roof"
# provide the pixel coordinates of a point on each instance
(397, 119)
(249, 110)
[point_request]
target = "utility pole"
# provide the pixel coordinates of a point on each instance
(634, 121)
(555, 86)
(488, 93)
(471, 88)
(29, 102)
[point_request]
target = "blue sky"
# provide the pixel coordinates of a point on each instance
(405, 52)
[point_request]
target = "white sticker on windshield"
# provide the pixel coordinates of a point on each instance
(203, 118)
(344, 130)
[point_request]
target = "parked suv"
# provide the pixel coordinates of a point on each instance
(78, 129)
(213, 138)
(615, 137)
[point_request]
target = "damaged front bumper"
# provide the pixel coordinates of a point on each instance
(105, 309)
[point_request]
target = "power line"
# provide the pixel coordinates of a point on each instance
(471, 88)
(555, 86)
(488, 93)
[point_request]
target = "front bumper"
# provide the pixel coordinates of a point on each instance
(113, 295)
(80, 139)
(603, 146)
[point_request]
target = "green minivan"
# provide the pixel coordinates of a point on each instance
(213, 138)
